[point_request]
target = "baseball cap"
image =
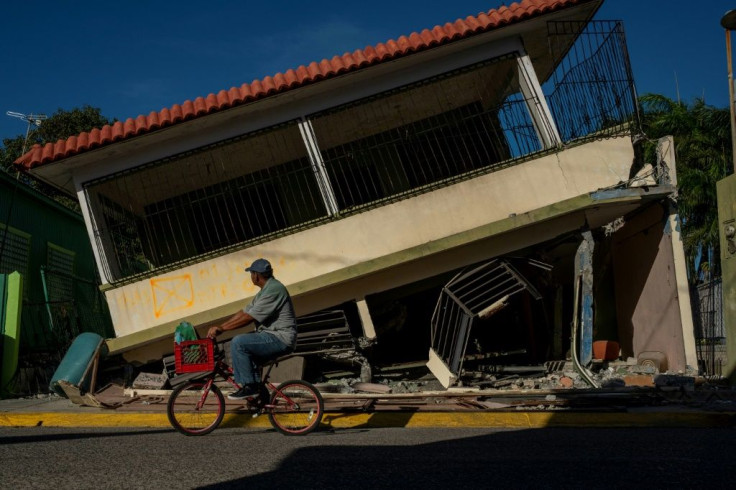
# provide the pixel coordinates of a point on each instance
(259, 265)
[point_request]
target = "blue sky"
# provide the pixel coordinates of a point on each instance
(134, 57)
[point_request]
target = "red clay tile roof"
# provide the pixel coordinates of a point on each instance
(281, 82)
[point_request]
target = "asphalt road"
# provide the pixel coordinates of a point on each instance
(368, 458)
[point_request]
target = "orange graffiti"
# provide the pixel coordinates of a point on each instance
(172, 293)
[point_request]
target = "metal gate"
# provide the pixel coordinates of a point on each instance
(477, 292)
(710, 336)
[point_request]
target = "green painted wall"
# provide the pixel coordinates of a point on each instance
(60, 294)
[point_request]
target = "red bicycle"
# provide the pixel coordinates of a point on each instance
(197, 406)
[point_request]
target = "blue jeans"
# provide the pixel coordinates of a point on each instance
(248, 349)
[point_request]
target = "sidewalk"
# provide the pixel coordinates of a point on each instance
(435, 409)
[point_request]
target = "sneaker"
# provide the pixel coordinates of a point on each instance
(246, 392)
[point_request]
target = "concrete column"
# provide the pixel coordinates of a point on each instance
(369, 331)
(666, 161)
(95, 238)
(440, 370)
(584, 270)
(727, 231)
(318, 166)
(544, 123)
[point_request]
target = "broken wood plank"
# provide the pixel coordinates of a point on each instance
(78, 398)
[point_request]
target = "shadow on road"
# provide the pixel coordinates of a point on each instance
(66, 436)
(531, 458)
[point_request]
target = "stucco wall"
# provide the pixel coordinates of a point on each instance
(220, 283)
(646, 289)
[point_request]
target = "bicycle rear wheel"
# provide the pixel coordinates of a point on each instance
(194, 411)
(296, 408)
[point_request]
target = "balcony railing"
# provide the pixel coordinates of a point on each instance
(389, 146)
(591, 92)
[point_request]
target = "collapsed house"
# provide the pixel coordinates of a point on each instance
(470, 195)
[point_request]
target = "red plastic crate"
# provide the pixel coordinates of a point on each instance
(193, 356)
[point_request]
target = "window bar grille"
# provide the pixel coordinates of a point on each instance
(591, 92)
(440, 129)
(200, 201)
(425, 151)
(464, 298)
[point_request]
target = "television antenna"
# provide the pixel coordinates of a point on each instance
(32, 120)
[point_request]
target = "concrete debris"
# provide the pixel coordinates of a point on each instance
(371, 387)
(407, 387)
(512, 380)
(614, 374)
(336, 386)
(149, 381)
(638, 369)
(492, 405)
(391, 385)
(686, 383)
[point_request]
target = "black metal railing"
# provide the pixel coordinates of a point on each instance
(205, 201)
(710, 335)
(426, 134)
(591, 92)
(72, 305)
(475, 293)
(367, 153)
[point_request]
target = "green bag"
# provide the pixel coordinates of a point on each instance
(185, 331)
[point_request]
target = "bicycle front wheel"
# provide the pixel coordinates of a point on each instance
(194, 410)
(296, 408)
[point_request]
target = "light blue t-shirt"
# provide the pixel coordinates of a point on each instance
(274, 312)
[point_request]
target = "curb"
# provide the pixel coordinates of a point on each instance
(337, 420)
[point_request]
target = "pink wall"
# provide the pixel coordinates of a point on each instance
(646, 289)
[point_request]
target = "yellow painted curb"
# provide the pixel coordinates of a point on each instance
(510, 420)
(530, 419)
(57, 419)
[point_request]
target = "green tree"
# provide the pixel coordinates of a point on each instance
(702, 136)
(58, 126)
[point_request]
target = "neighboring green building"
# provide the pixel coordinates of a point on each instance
(48, 244)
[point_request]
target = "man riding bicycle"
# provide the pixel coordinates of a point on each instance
(272, 312)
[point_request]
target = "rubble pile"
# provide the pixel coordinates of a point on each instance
(611, 374)
(558, 375)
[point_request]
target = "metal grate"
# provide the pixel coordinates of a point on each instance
(591, 92)
(56, 322)
(15, 252)
(426, 133)
(325, 331)
(474, 293)
(391, 145)
(204, 201)
(60, 265)
(710, 334)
